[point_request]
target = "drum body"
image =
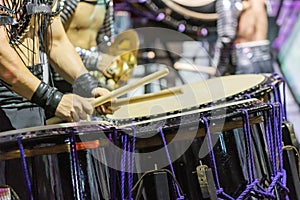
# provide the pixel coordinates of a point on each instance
(55, 162)
(220, 100)
(205, 138)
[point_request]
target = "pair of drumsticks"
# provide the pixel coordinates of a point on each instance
(125, 89)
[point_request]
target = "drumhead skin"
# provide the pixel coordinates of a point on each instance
(195, 3)
(195, 94)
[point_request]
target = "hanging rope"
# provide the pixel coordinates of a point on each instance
(123, 165)
(131, 163)
(78, 193)
(25, 169)
(179, 196)
(220, 190)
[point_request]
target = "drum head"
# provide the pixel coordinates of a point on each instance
(193, 95)
(197, 17)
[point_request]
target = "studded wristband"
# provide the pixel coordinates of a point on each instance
(84, 85)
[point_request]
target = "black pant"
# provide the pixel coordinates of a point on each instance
(18, 118)
(11, 172)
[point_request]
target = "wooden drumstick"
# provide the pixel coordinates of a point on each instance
(119, 92)
(195, 68)
(147, 97)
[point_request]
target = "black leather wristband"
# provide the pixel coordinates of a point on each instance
(47, 97)
(84, 85)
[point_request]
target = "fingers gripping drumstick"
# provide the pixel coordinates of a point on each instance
(119, 92)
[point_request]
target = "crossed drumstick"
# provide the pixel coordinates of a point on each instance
(125, 89)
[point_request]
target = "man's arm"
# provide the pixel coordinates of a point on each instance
(69, 65)
(13, 72)
(62, 53)
(16, 76)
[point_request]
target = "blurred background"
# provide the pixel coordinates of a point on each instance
(194, 42)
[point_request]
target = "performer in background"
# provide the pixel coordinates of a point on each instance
(90, 28)
(242, 37)
(84, 23)
(26, 29)
(252, 22)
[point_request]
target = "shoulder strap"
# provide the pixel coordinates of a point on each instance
(68, 10)
(106, 32)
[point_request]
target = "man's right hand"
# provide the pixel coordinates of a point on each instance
(74, 108)
(105, 62)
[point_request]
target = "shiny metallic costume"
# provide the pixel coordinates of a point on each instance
(91, 58)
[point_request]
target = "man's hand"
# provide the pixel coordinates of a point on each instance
(73, 108)
(106, 61)
(108, 107)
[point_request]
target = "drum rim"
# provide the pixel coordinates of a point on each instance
(194, 111)
(190, 3)
(24, 131)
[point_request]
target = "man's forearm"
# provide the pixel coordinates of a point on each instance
(14, 74)
(63, 55)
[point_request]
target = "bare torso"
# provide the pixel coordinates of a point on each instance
(84, 25)
(253, 22)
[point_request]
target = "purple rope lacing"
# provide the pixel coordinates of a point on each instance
(284, 97)
(269, 138)
(250, 162)
(277, 125)
(249, 149)
(220, 190)
(123, 165)
(250, 187)
(25, 169)
(113, 173)
(128, 168)
(248, 96)
(277, 95)
(280, 140)
(75, 166)
(131, 164)
(179, 196)
(274, 142)
(275, 92)
(280, 176)
(278, 133)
